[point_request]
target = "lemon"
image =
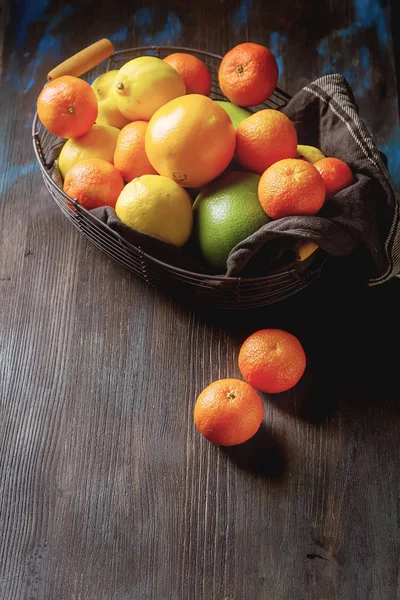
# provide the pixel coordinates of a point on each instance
(143, 85)
(108, 113)
(226, 212)
(237, 114)
(158, 206)
(309, 153)
(99, 142)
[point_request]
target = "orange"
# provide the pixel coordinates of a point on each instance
(193, 71)
(228, 412)
(130, 156)
(291, 187)
(272, 360)
(94, 182)
(335, 173)
(190, 139)
(67, 106)
(248, 74)
(263, 139)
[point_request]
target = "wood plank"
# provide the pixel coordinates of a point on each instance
(106, 488)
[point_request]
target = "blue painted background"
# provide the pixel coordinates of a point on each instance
(369, 18)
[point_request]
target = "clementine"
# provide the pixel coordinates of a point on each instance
(228, 412)
(67, 106)
(291, 187)
(248, 74)
(335, 173)
(94, 182)
(264, 138)
(130, 156)
(272, 360)
(191, 140)
(194, 72)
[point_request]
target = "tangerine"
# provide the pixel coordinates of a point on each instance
(291, 187)
(248, 74)
(264, 138)
(272, 360)
(67, 106)
(130, 157)
(228, 412)
(194, 72)
(335, 173)
(94, 182)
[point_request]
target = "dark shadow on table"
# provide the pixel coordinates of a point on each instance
(350, 333)
(263, 455)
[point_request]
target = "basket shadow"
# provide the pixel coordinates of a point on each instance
(263, 455)
(349, 332)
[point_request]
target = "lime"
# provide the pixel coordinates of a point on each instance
(158, 206)
(226, 212)
(236, 113)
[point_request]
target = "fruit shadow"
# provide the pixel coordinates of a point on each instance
(314, 398)
(263, 455)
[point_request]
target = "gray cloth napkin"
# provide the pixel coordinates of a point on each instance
(362, 220)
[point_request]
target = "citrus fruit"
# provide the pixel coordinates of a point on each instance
(226, 212)
(94, 182)
(335, 173)
(98, 142)
(228, 412)
(236, 113)
(108, 111)
(190, 139)
(193, 71)
(264, 138)
(144, 84)
(272, 360)
(130, 156)
(67, 106)
(157, 206)
(291, 187)
(309, 153)
(248, 74)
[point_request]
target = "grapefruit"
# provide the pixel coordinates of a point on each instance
(226, 212)
(190, 139)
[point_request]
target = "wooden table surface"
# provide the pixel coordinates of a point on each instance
(107, 491)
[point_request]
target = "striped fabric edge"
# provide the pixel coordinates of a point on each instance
(332, 85)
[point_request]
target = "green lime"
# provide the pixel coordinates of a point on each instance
(226, 211)
(236, 113)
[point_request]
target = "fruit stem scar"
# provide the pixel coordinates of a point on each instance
(230, 395)
(71, 110)
(239, 69)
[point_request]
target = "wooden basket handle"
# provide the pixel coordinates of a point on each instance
(83, 61)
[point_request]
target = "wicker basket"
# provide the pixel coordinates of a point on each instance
(225, 293)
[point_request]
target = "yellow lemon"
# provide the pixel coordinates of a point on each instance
(143, 85)
(99, 142)
(108, 113)
(158, 206)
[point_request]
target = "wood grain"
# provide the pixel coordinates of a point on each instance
(106, 489)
